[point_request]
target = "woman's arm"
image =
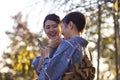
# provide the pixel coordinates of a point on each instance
(40, 64)
(58, 65)
(46, 51)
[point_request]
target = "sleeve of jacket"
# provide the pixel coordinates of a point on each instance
(58, 65)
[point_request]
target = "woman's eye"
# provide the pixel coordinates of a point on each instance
(47, 27)
(54, 26)
(51, 26)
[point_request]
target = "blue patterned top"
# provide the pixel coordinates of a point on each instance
(36, 61)
(67, 54)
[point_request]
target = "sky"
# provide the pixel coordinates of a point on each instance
(8, 8)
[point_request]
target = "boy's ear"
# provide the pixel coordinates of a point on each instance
(71, 24)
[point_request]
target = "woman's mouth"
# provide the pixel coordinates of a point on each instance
(53, 34)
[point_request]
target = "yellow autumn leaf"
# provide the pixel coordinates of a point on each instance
(26, 67)
(25, 53)
(32, 55)
(116, 5)
(19, 66)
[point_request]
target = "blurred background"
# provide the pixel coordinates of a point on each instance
(21, 23)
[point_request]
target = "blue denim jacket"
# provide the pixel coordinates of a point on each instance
(67, 54)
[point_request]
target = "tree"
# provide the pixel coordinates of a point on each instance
(24, 48)
(90, 9)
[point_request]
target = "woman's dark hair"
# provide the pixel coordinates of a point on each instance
(52, 17)
(77, 18)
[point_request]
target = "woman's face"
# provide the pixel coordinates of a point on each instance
(52, 29)
(65, 31)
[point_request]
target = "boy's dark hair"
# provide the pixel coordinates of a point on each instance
(52, 17)
(77, 18)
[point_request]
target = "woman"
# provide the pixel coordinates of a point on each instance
(52, 28)
(69, 51)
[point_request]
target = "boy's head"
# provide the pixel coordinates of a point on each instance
(73, 22)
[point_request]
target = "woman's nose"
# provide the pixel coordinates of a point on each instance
(51, 29)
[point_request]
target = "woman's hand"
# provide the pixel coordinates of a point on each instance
(54, 42)
(45, 52)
